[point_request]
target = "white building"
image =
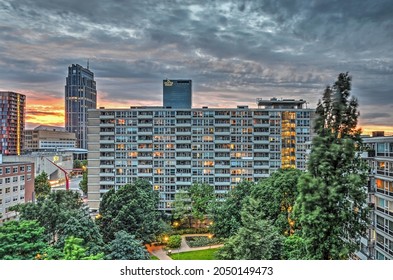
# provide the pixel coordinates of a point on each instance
(172, 148)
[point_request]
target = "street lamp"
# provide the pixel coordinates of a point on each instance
(210, 240)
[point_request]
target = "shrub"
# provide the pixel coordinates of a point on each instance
(201, 241)
(174, 241)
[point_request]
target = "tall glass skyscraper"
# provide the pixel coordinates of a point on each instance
(80, 95)
(12, 122)
(177, 94)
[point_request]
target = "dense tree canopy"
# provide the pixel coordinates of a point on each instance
(331, 203)
(21, 240)
(226, 214)
(132, 208)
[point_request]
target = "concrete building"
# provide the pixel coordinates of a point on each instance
(42, 162)
(80, 96)
(177, 94)
(48, 138)
(12, 122)
(16, 186)
(172, 148)
(379, 244)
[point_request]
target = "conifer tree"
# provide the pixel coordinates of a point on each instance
(332, 196)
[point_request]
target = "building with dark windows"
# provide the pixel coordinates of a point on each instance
(177, 94)
(172, 148)
(12, 122)
(80, 95)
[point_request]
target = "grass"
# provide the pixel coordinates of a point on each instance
(152, 257)
(207, 254)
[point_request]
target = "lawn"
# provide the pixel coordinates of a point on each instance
(207, 254)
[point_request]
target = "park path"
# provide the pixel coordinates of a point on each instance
(162, 254)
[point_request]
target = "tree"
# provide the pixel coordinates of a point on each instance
(332, 196)
(126, 247)
(21, 240)
(276, 196)
(132, 208)
(77, 163)
(53, 211)
(74, 250)
(42, 186)
(182, 207)
(83, 182)
(256, 239)
(294, 248)
(202, 197)
(81, 225)
(226, 214)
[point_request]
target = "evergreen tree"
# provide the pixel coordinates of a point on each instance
(126, 247)
(331, 203)
(42, 187)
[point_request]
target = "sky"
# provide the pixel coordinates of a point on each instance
(233, 51)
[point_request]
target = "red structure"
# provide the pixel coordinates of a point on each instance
(67, 180)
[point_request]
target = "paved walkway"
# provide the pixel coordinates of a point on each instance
(162, 254)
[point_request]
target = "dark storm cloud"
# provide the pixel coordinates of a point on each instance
(232, 50)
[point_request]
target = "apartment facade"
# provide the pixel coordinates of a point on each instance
(177, 94)
(379, 244)
(16, 186)
(174, 148)
(12, 122)
(80, 96)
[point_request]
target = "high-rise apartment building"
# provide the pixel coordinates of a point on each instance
(177, 94)
(80, 95)
(172, 148)
(12, 122)
(379, 244)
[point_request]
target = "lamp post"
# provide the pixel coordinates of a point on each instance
(210, 239)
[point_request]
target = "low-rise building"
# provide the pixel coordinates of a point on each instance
(48, 138)
(16, 187)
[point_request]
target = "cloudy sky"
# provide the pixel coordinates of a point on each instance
(234, 51)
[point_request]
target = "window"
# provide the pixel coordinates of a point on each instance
(7, 180)
(22, 178)
(22, 187)
(22, 169)
(15, 169)
(1, 170)
(7, 170)
(15, 188)
(28, 177)
(29, 168)
(7, 190)
(15, 179)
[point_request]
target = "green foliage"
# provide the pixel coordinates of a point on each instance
(182, 207)
(83, 182)
(21, 240)
(202, 197)
(257, 239)
(62, 214)
(202, 241)
(74, 250)
(126, 247)
(42, 187)
(77, 163)
(276, 196)
(174, 241)
(226, 214)
(332, 195)
(132, 208)
(294, 248)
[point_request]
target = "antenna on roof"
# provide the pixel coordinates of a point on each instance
(87, 64)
